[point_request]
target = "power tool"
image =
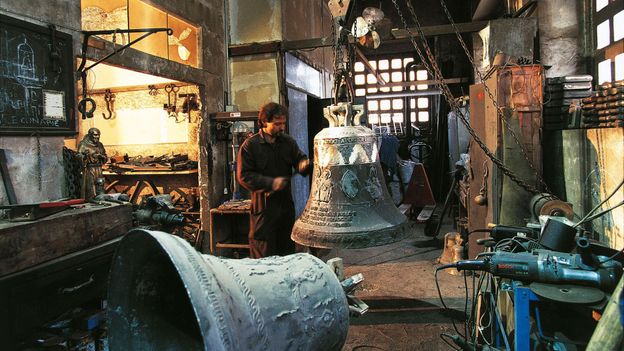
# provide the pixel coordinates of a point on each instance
(546, 266)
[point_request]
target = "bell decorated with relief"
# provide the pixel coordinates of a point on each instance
(349, 205)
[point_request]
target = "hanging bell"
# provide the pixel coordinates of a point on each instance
(349, 205)
(164, 295)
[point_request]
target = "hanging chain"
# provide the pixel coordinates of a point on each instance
(434, 71)
(499, 110)
(337, 51)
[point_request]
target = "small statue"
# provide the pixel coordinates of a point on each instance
(93, 157)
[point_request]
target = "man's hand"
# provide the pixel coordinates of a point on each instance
(279, 183)
(303, 165)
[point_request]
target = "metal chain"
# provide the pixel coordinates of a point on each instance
(499, 110)
(435, 72)
(337, 57)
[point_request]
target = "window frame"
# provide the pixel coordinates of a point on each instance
(613, 48)
(372, 87)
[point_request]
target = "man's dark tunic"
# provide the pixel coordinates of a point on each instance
(272, 213)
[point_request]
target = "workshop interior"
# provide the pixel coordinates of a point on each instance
(454, 178)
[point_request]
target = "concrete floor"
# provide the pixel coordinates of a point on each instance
(405, 312)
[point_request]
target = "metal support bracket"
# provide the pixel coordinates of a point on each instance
(81, 72)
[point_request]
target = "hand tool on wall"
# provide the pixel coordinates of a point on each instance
(172, 94)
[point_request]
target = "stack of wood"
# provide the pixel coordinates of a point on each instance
(605, 108)
(563, 99)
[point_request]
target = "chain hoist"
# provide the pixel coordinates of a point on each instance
(434, 71)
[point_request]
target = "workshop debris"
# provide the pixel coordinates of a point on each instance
(163, 163)
(32, 212)
(605, 107)
(160, 213)
(77, 329)
(563, 96)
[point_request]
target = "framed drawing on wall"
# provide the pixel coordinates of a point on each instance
(36, 79)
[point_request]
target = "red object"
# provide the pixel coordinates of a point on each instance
(418, 193)
(61, 203)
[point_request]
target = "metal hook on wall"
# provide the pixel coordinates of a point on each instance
(109, 97)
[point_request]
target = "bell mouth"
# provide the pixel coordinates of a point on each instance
(149, 307)
(319, 237)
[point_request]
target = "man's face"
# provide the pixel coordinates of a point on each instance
(95, 136)
(277, 126)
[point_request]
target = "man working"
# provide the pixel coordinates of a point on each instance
(265, 165)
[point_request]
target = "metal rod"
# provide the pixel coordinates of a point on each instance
(370, 68)
(120, 49)
(404, 94)
(87, 34)
(135, 30)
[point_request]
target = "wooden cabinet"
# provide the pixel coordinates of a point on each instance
(41, 293)
(53, 264)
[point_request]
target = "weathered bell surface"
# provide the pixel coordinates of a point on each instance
(349, 205)
(164, 295)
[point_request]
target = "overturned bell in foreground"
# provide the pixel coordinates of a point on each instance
(164, 295)
(349, 205)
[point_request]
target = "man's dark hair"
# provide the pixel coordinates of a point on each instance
(270, 110)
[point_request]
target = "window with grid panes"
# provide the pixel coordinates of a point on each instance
(394, 114)
(608, 20)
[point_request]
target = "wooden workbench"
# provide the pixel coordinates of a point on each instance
(26, 244)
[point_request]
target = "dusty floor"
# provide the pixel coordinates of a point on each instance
(405, 312)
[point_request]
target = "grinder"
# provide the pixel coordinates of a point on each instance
(546, 266)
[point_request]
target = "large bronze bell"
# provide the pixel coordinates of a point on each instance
(349, 205)
(164, 295)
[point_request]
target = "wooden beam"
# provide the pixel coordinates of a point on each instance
(368, 66)
(292, 45)
(468, 27)
(254, 48)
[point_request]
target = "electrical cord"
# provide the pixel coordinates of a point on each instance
(612, 256)
(446, 266)
(449, 336)
(599, 214)
(584, 219)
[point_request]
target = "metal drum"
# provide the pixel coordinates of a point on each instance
(349, 205)
(164, 295)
